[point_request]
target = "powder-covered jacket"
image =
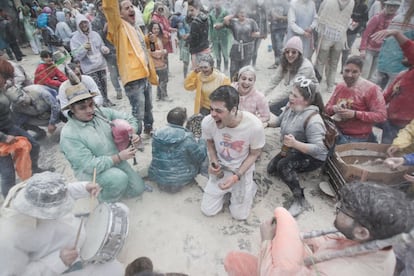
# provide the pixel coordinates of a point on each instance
(134, 63)
(90, 60)
(204, 86)
(399, 95)
(37, 102)
(176, 156)
(366, 99)
(292, 122)
(89, 145)
(276, 93)
(198, 39)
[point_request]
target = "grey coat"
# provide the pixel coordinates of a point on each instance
(292, 122)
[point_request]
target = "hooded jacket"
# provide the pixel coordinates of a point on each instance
(63, 30)
(90, 60)
(130, 52)
(176, 156)
(198, 39)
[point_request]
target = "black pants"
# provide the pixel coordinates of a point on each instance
(16, 50)
(276, 107)
(289, 166)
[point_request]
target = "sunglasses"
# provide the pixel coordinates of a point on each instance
(303, 82)
(292, 52)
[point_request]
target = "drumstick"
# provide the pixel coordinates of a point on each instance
(78, 234)
(93, 182)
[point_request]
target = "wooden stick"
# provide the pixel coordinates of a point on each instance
(78, 234)
(92, 197)
(94, 176)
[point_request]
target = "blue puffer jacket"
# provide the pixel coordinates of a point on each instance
(176, 156)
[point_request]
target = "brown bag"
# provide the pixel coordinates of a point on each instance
(331, 130)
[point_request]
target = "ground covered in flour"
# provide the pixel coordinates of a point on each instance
(169, 228)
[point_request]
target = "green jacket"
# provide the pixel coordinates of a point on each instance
(222, 34)
(89, 145)
(149, 8)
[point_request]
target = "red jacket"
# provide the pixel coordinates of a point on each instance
(399, 95)
(366, 98)
(49, 75)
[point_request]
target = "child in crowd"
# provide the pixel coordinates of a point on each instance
(47, 72)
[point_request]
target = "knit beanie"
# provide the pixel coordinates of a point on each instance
(295, 43)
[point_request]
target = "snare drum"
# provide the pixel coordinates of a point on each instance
(106, 231)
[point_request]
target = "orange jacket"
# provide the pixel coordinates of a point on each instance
(20, 150)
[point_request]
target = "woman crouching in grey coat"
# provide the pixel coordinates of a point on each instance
(302, 133)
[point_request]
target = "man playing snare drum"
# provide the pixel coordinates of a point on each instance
(39, 233)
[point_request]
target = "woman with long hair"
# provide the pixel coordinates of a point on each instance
(292, 64)
(159, 54)
(302, 133)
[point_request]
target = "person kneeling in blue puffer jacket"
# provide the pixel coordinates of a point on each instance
(176, 155)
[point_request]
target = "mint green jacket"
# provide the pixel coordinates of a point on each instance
(89, 145)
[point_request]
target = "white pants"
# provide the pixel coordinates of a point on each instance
(328, 58)
(242, 194)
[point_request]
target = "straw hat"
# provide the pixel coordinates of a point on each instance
(45, 196)
(76, 93)
(393, 2)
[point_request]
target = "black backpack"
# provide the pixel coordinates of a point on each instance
(50, 38)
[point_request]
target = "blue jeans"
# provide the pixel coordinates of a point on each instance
(346, 139)
(162, 83)
(140, 98)
(7, 172)
(277, 37)
(389, 132)
(113, 71)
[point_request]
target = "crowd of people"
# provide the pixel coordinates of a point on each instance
(78, 42)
